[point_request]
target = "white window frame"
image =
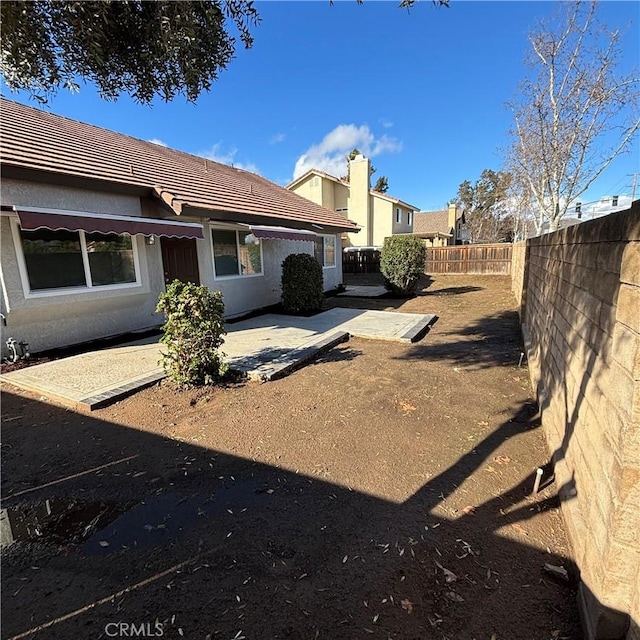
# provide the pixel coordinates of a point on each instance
(409, 218)
(213, 228)
(324, 250)
(398, 215)
(63, 291)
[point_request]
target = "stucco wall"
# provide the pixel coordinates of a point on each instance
(579, 290)
(54, 320)
(310, 188)
(247, 293)
(340, 195)
(403, 226)
(383, 213)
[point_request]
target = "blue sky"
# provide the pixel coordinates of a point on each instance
(422, 92)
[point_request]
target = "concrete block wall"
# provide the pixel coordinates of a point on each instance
(518, 257)
(579, 294)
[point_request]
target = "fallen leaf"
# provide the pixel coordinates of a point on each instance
(449, 575)
(407, 605)
(345, 559)
(405, 406)
(469, 510)
(557, 570)
(103, 543)
(502, 459)
(452, 595)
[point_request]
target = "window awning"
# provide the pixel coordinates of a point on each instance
(32, 219)
(282, 233)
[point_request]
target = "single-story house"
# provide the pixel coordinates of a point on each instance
(440, 228)
(95, 223)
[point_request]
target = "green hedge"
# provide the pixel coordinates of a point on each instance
(402, 263)
(302, 284)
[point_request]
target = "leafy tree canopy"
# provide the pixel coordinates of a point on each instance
(141, 48)
(145, 49)
(483, 203)
(352, 155)
(382, 184)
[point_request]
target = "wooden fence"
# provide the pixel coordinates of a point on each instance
(362, 261)
(489, 259)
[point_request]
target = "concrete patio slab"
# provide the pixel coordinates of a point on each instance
(363, 291)
(94, 379)
(264, 348)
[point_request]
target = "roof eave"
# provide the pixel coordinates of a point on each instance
(219, 215)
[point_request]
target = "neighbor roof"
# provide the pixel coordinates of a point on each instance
(324, 174)
(431, 222)
(35, 140)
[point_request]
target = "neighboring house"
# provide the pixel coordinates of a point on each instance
(377, 214)
(440, 228)
(95, 223)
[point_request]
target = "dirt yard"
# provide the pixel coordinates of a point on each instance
(380, 492)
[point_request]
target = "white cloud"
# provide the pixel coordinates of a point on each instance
(604, 206)
(387, 124)
(329, 154)
(158, 142)
(217, 154)
(276, 138)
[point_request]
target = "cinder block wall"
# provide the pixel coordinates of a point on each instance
(579, 290)
(518, 256)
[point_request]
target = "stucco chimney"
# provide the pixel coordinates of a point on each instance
(451, 221)
(359, 197)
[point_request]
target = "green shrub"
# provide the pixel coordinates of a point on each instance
(402, 263)
(302, 285)
(193, 333)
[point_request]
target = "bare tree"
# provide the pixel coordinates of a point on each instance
(574, 114)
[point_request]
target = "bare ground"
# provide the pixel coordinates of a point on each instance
(380, 492)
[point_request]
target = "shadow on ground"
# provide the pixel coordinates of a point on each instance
(489, 341)
(213, 545)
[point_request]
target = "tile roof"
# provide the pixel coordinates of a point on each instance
(431, 221)
(324, 174)
(34, 139)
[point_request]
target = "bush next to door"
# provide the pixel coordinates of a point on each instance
(402, 263)
(193, 333)
(302, 285)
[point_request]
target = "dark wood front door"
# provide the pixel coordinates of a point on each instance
(180, 260)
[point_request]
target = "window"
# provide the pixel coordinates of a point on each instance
(325, 250)
(62, 259)
(398, 216)
(235, 254)
(409, 218)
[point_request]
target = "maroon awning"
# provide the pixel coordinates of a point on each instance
(282, 233)
(31, 220)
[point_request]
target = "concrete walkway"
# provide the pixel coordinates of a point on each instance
(264, 348)
(363, 291)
